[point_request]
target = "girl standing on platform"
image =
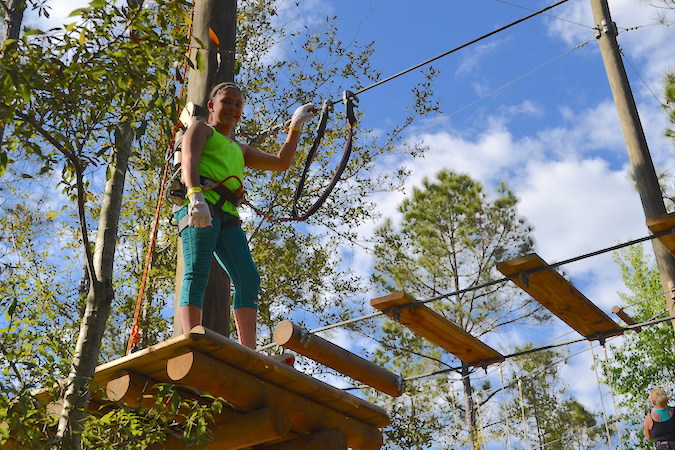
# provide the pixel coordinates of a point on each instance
(209, 153)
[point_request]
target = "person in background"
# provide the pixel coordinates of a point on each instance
(659, 423)
(213, 226)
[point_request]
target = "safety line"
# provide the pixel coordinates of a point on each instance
(528, 351)
(484, 285)
(460, 47)
(548, 15)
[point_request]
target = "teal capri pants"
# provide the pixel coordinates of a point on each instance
(230, 247)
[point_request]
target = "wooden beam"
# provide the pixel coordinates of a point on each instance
(246, 392)
(331, 439)
(294, 337)
(436, 328)
(625, 317)
(664, 223)
(559, 296)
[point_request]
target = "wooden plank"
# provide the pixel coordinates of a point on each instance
(291, 336)
(247, 392)
(560, 297)
(663, 223)
(436, 328)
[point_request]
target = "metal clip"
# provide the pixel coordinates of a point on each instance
(396, 314)
(525, 278)
(400, 384)
(304, 337)
(348, 98)
(608, 27)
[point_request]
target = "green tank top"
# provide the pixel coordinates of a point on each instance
(222, 158)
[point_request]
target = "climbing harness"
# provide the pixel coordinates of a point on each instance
(226, 195)
(348, 98)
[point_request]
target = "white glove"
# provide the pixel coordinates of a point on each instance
(199, 214)
(302, 115)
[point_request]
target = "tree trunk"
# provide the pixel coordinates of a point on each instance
(13, 18)
(219, 17)
(99, 299)
(469, 407)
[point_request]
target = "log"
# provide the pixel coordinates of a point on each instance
(252, 428)
(256, 427)
(331, 439)
(246, 392)
(291, 336)
(436, 328)
(129, 388)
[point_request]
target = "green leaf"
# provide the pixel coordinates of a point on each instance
(97, 3)
(78, 12)
(4, 162)
(12, 308)
(200, 62)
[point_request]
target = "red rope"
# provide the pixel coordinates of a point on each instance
(135, 333)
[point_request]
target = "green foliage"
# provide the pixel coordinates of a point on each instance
(165, 415)
(643, 360)
(552, 419)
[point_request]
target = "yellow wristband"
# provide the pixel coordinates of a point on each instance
(194, 189)
(295, 129)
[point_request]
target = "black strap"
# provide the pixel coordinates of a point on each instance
(226, 195)
(348, 98)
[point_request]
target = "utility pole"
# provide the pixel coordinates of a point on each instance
(636, 143)
(216, 53)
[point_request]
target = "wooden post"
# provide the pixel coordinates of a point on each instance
(294, 337)
(331, 439)
(636, 143)
(219, 17)
(247, 392)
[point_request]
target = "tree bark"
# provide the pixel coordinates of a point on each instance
(469, 407)
(13, 18)
(219, 16)
(99, 299)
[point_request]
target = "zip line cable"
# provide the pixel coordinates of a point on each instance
(498, 30)
(527, 352)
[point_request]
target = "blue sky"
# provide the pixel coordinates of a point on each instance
(530, 106)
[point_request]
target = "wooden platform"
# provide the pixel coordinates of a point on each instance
(285, 407)
(664, 223)
(437, 329)
(559, 296)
